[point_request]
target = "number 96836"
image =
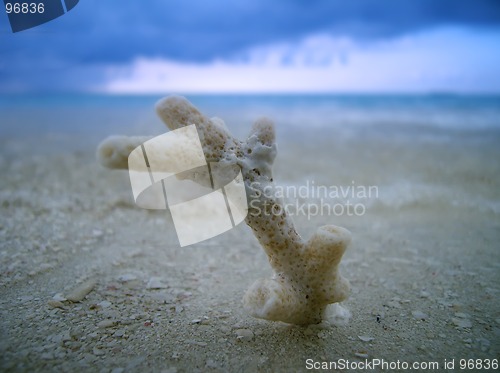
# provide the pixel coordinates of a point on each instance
(24, 8)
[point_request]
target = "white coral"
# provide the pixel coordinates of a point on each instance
(306, 276)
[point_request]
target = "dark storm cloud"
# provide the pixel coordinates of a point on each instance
(107, 32)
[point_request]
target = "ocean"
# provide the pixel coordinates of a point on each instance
(389, 115)
(440, 150)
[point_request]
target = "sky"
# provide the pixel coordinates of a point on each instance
(258, 46)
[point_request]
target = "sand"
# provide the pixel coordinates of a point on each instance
(423, 264)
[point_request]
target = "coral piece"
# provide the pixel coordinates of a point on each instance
(306, 277)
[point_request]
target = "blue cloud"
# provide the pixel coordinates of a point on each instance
(97, 33)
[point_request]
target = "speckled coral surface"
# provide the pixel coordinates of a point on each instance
(306, 278)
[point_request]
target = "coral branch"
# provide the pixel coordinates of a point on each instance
(306, 276)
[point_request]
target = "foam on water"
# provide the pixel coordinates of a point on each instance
(421, 151)
(291, 112)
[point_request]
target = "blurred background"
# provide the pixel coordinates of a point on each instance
(100, 67)
(321, 46)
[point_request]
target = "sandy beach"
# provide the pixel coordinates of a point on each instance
(423, 264)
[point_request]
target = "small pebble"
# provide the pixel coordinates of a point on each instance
(461, 323)
(104, 304)
(322, 334)
(55, 304)
(362, 355)
(155, 283)
(59, 297)
(127, 277)
(244, 335)
(364, 338)
(419, 315)
(80, 292)
(211, 364)
(394, 304)
(119, 333)
(105, 323)
(424, 294)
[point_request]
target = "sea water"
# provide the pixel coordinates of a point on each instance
(436, 151)
(87, 113)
